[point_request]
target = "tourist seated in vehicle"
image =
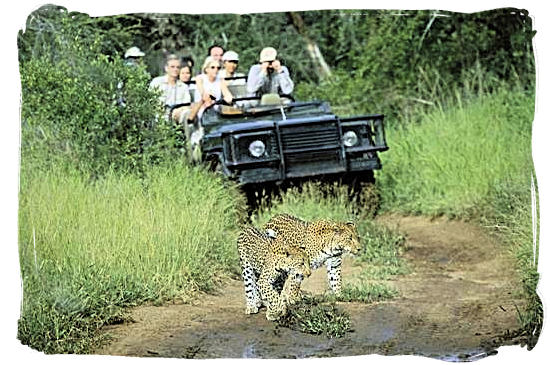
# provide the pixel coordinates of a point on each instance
(186, 76)
(173, 91)
(210, 88)
(187, 61)
(216, 52)
(269, 76)
(133, 56)
(230, 64)
(236, 81)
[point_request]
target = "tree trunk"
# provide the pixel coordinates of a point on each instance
(312, 48)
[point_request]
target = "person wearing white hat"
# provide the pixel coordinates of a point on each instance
(269, 76)
(230, 61)
(133, 56)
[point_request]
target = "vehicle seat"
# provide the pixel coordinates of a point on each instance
(238, 91)
(271, 99)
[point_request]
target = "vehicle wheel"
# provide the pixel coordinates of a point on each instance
(362, 191)
(368, 201)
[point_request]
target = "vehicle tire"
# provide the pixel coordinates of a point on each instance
(368, 201)
(364, 194)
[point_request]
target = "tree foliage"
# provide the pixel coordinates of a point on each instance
(391, 62)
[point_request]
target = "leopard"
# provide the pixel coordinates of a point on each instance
(270, 271)
(324, 242)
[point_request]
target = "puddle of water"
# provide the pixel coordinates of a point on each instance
(467, 357)
(249, 351)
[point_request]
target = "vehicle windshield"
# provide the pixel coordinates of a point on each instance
(251, 110)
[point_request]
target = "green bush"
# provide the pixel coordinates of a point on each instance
(89, 109)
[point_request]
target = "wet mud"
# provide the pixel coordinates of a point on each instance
(458, 301)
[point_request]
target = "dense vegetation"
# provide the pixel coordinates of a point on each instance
(111, 217)
(380, 60)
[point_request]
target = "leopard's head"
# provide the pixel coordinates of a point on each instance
(338, 237)
(297, 263)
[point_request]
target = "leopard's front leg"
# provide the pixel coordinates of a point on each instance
(291, 291)
(334, 272)
(276, 307)
(252, 294)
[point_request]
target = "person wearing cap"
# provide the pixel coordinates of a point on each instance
(230, 61)
(133, 56)
(269, 76)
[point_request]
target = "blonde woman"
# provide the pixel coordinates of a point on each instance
(210, 87)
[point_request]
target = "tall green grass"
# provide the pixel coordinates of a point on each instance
(89, 248)
(448, 163)
(510, 215)
(311, 201)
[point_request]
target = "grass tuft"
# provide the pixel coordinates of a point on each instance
(365, 292)
(312, 316)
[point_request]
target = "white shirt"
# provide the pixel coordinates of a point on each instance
(213, 88)
(171, 94)
(223, 75)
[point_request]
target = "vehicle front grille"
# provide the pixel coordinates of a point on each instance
(299, 138)
(311, 149)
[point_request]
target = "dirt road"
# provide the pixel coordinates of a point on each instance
(460, 295)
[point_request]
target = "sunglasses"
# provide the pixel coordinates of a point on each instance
(215, 67)
(232, 61)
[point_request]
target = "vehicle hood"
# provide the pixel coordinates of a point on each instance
(265, 124)
(240, 127)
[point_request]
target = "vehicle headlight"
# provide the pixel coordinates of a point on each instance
(350, 139)
(257, 148)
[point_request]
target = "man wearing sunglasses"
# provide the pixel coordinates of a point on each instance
(269, 76)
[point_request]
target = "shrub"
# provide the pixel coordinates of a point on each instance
(86, 108)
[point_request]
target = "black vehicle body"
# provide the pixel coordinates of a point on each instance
(300, 139)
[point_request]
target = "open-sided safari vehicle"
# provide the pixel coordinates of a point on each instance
(275, 139)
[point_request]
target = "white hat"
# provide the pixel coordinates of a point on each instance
(230, 56)
(268, 54)
(133, 52)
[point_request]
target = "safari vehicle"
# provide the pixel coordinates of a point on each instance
(278, 140)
